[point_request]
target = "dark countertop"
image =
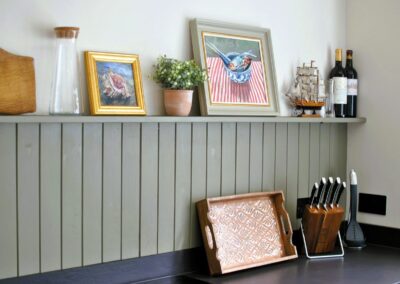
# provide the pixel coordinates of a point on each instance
(373, 265)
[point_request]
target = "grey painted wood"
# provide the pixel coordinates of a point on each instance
(268, 183)
(71, 195)
(199, 177)
(8, 201)
(228, 158)
(324, 152)
(213, 159)
(174, 119)
(149, 189)
(256, 156)
(130, 190)
(28, 199)
(112, 191)
(50, 196)
(304, 160)
(183, 185)
(166, 189)
(292, 171)
(92, 192)
(242, 157)
(314, 155)
(134, 188)
(281, 157)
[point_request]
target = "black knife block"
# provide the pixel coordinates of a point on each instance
(321, 227)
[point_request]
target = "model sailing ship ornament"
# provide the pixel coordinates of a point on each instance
(307, 95)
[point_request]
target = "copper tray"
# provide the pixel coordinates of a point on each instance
(244, 231)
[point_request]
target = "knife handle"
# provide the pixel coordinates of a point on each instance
(313, 191)
(321, 188)
(335, 189)
(339, 194)
(328, 190)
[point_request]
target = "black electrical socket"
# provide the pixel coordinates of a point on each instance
(372, 203)
(301, 204)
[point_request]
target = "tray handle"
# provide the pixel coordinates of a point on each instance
(286, 226)
(210, 235)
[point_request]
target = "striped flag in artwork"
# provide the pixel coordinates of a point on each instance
(224, 90)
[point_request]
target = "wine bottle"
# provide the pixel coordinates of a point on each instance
(339, 86)
(352, 85)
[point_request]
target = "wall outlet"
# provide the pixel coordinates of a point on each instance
(372, 203)
(301, 204)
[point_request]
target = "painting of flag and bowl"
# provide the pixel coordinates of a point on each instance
(240, 68)
(235, 70)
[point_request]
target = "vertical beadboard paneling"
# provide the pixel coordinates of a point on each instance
(112, 191)
(314, 155)
(268, 183)
(242, 157)
(213, 159)
(199, 177)
(130, 190)
(304, 162)
(292, 171)
(8, 201)
(228, 159)
(324, 142)
(256, 163)
(281, 157)
(28, 199)
(166, 188)
(149, 189)
(50, 196)
(92, 192)
(183, 185)
(71, 195)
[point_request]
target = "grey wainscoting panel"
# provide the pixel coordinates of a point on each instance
(28, 199)
(92, 192)
(149, 189)
(324, 151)
(130, 190)
(8, 201)
(228, 158)
(281, 157)
(75, 194)
(166, 189)
(71, 195)
(242, 157)
(213, 159)
(183, 185)
(256, 156)
(112, 176)
(50, 196)
(314, 155)
(199, 177)
(292, 170)
(268, 183)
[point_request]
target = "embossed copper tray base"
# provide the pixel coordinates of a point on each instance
(244, 231)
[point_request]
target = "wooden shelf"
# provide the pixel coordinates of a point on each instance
(143, 119)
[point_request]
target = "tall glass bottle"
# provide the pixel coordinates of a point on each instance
(66, 93)
(352, 85)
(339, 79)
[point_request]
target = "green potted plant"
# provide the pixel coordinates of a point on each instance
(178, 79)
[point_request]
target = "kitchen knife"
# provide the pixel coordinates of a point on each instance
(336, 187)
(312, 196)
(328, 191)
(339, 193)
(321, 189)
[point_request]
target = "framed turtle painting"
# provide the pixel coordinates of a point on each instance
(114, 84)
(240, 68)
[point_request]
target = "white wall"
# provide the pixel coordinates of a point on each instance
(301, 31)
(373, 148)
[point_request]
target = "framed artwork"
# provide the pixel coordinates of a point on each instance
(114, 84)
(240, 68)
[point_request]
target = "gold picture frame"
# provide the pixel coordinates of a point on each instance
(114, 83)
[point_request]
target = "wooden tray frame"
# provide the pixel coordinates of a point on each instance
(211, 246)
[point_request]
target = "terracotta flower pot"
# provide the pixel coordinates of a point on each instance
(178, 102)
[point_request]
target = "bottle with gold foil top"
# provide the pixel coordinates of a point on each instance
(339, 85)
(66, 93)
